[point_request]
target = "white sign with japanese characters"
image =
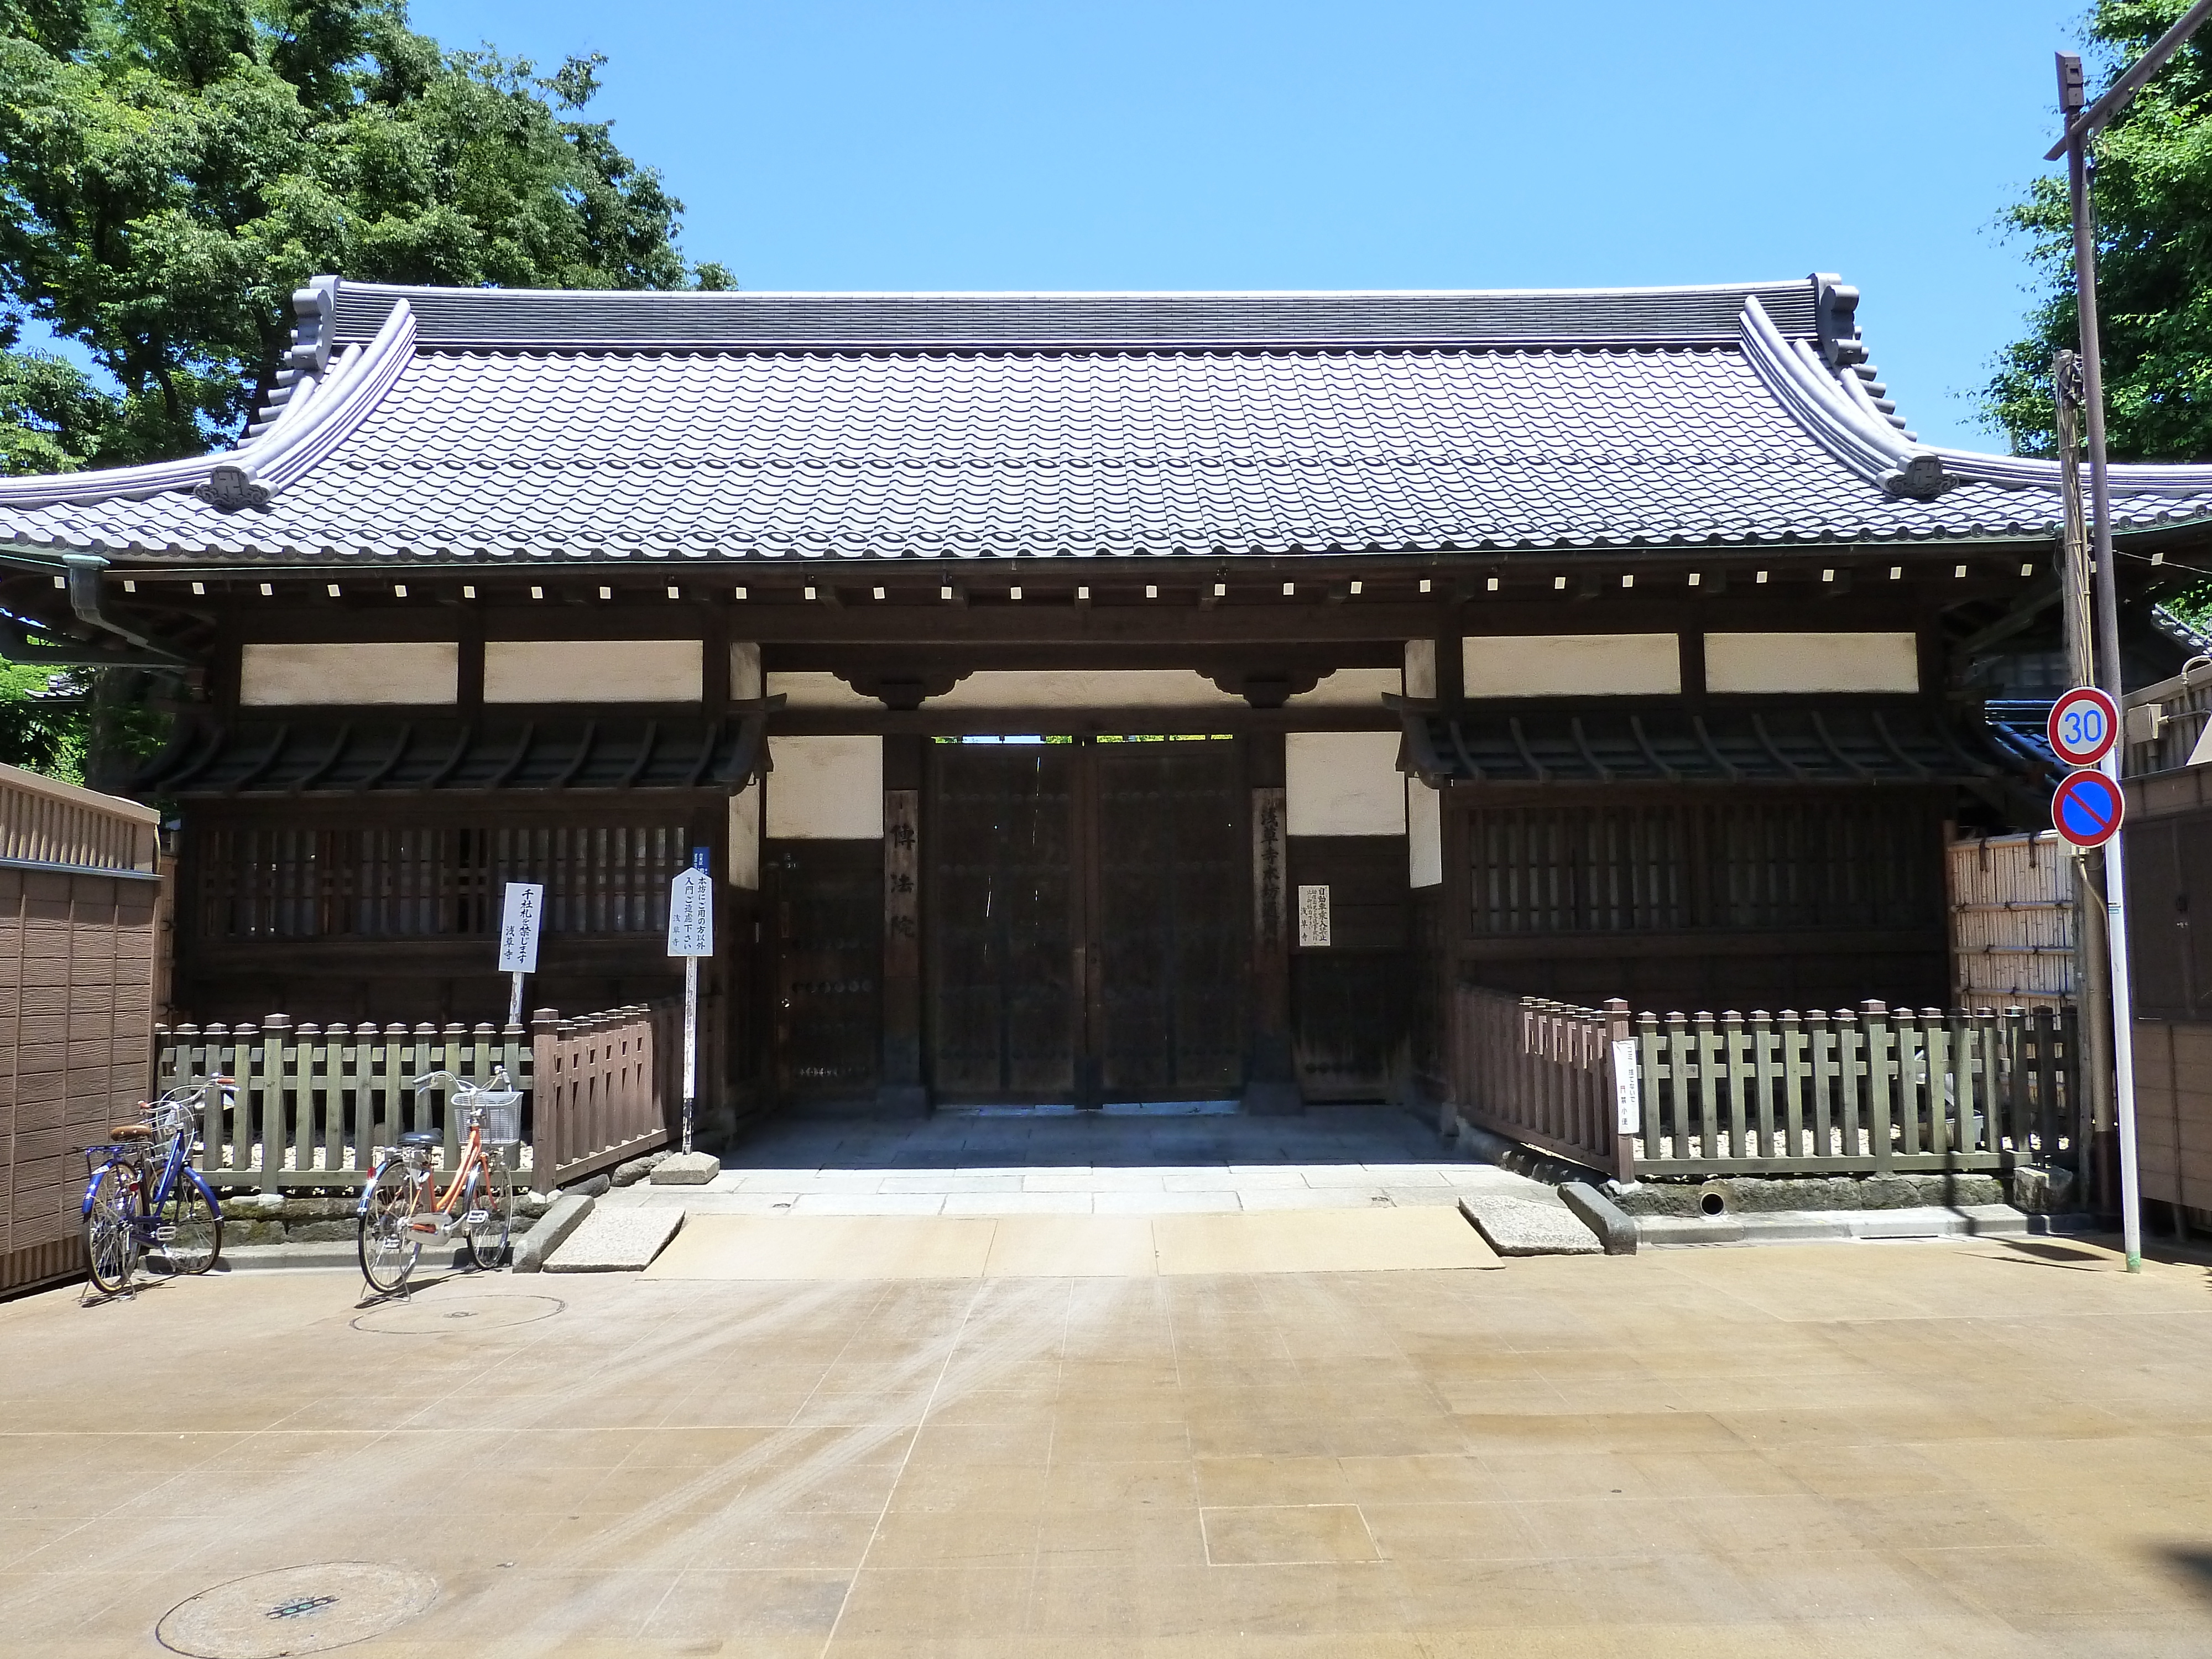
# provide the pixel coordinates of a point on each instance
(1627, 1086)
(691, 915)
(1313, 918)
(519, 918)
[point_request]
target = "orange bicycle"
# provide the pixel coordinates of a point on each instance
(401, 1207)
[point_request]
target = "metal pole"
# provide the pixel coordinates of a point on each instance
(690, 1042)
(514, 1000)
(2093, 998)
(2108, 650)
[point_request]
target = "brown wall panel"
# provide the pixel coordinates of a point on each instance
(75, 1054)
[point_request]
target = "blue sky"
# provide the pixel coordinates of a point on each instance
(1392, 143)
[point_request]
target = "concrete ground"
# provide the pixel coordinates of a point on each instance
(1970, 1448)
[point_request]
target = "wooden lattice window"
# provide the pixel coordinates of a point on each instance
(432, 881)
(1747, 863)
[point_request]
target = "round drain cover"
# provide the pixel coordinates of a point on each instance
(444, 1316)
(295, 1610)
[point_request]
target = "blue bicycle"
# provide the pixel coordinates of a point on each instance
(141, 1196)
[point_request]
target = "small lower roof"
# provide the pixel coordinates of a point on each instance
(1857, 742)
(326, 754)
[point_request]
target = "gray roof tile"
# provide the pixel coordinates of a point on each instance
(1104, 449)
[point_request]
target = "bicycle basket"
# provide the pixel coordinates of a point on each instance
(502, 1113)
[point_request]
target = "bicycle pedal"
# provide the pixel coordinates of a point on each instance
(476, 1217)
(163, 1235)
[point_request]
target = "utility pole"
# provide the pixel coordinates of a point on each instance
(2082, 125)
(2095, 1145)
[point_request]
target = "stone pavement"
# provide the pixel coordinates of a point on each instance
(1969, 1448)
(1088, 1164)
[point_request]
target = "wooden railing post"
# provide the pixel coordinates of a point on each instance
(1877, 1052)
(545, 1109)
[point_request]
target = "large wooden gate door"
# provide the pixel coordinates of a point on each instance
(997, 834)
(1084, 915)
(1169, 901)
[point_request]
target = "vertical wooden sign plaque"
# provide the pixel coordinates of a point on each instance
(1270, 910)
(901, 885)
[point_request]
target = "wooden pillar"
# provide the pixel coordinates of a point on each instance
(901, 1088)
(1271, 1076)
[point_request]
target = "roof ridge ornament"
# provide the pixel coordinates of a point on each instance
(1852, 429)
(251, 475)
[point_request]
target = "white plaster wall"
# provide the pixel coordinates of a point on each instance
(814, 688)
(744, 670)
(1812, 662)
(1425, 834)
(1351, 688)
(1344, 783)
(1571, 665)
(392, 671)
(1079, 688)
(1421, 668)
(825, 789)
(744, 837)
(591, 671)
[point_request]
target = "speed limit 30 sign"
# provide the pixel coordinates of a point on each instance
(2082, 725)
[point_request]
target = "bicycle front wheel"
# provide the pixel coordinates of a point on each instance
(387, 1244)
(187, 1232)
(491, 1198)
(111, 1250)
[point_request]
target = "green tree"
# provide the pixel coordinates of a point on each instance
(2153, 205)
(42, 722)
(172, 170)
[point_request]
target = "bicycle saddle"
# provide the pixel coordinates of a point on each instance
(131, 1132)
(421, 1138)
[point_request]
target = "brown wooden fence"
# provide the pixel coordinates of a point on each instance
(78, 903)
(1864, 1090)
(314, 1103)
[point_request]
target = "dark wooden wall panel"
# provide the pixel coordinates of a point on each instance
(825, 907)
(1353, 1003)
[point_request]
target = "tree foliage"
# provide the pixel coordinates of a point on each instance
(2153, 189)
(172, 170)
(42, 722)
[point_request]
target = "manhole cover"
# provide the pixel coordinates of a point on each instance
(444, 1315)
(295, 1610)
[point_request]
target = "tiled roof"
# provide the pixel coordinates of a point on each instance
(1085, 426)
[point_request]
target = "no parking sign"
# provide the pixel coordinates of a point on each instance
(2088, 810)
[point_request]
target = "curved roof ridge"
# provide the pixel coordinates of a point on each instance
(1860, 437)
(322, 411)
(525, 319)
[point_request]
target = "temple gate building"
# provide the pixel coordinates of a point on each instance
(1082, 697)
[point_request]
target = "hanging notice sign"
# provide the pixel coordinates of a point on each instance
(519, 917)
(691, 913)
(1313, 918)
(1627, 1087)
(2082, 725)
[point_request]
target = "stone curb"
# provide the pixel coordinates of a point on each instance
(1604, 1216)
(568, 1211)
(1820, 1226)
(1518, 1227)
